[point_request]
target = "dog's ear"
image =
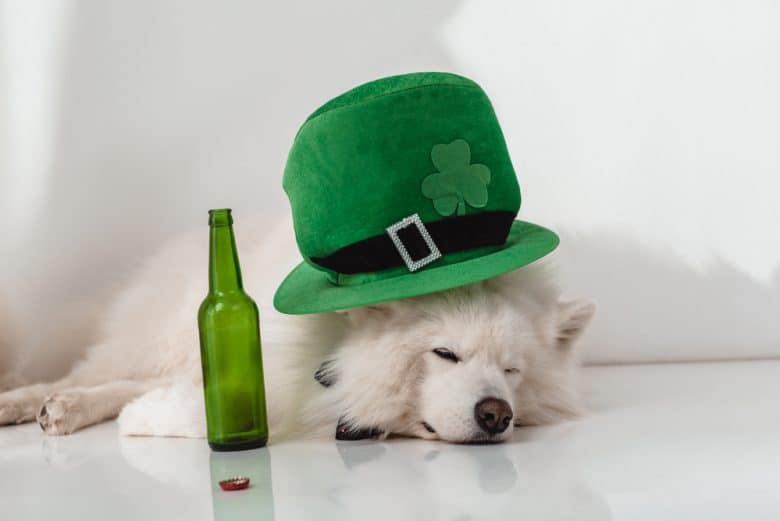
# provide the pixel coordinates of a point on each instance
(326, 374)
(573, 317)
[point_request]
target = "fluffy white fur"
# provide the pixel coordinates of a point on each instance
(512, 337)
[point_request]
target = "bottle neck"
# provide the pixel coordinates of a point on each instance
(224, 269)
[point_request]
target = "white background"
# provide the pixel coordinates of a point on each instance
(646, 133)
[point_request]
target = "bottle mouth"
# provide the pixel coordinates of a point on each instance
(220, 217)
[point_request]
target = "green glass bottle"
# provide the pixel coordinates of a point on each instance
(230, 348)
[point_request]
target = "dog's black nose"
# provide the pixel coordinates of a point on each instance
(493, 415)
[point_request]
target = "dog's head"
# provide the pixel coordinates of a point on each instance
(463, 365)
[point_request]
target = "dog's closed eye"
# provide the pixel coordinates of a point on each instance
(512, 370)
(443, 352)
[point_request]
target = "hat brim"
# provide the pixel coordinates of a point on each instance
(308, 290)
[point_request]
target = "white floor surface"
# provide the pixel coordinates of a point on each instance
(662, 442)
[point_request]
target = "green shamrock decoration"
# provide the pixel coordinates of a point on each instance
(458, 181)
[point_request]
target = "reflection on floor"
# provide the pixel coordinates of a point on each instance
(684, 441)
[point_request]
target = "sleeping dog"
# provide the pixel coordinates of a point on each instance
(462, 365)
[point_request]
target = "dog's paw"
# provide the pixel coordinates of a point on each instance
(59, 413)
(16, 407)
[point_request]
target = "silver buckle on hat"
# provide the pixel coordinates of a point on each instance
(412, 264)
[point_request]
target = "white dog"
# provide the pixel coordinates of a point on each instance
(463, 365)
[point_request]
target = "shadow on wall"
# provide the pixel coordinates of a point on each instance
(168, 109)
(654, 307)
(6, 338)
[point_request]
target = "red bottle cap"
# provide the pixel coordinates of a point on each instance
(237, 483)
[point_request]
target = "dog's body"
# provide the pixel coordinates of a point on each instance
(459, 365)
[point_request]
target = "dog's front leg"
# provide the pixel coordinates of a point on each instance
(21, 404)
(66, 411)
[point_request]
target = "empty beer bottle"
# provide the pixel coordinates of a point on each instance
(230, 348)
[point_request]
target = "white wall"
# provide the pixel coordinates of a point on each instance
(647, 133)
(644, 132)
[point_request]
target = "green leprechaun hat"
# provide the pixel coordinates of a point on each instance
(400, 187)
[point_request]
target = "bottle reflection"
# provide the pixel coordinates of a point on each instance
(255, 503)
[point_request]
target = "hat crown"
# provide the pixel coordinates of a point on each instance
(423, 143)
